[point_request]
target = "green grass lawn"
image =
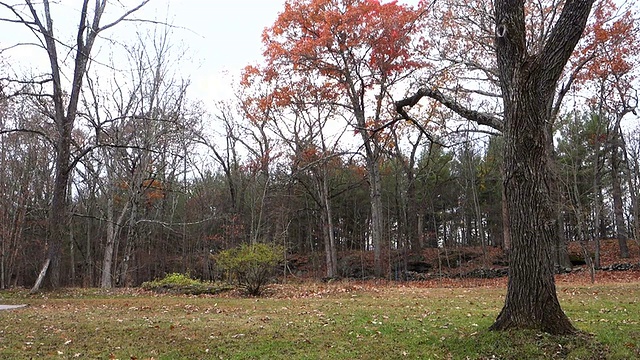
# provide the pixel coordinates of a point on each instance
(313, 321)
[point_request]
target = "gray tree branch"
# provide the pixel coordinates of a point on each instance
(481, 118)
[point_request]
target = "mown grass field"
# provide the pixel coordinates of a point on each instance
(313, 321)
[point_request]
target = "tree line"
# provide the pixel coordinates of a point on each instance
(153, 205)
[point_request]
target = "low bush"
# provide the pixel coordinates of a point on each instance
(251, 266)
(184, 284)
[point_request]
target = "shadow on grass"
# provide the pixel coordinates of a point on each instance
(525, 344)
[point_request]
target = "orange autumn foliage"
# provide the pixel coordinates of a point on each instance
(316, 46)
(610, 52)
(320, 35)
(152, 190)
(612, 40)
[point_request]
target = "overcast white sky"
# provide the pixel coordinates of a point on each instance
(223, 35)
(217, 36)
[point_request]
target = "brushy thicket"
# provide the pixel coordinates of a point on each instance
(251, 266)
(184, 284)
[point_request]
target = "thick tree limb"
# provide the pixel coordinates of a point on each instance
(564, 37)
(481, 118)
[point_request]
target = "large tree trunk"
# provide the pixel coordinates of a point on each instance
(528, 81)
(528, 84)
(531, 300)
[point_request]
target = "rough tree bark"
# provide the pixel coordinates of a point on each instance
(528, 81)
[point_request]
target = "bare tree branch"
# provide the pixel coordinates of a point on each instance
(124, 16)
(29, 131)
(559, 46)
(479, 117)
(567, 85)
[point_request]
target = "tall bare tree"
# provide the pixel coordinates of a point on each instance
(38, 18)
(140, 127)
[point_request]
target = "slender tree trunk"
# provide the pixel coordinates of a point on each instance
(331, 257)
(107, 261)
(480, 231)
(420, 230)
(376, 215)
(633, 191)
(616, 193)
(414, 233)
(597, 228)
(618, 211)
(72, 260)
(124, 278)
(479, 226)
(88, 263)
(401, 209)
(561, 251)
(113, 229)
(562, 260)
(563, 240)
(580, 225)
(467, 238)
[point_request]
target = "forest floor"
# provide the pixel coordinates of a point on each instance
(463, 266)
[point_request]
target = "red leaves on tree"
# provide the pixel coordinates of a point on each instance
(335, 58)
(610, 50)
(154, 190)
(337, 39)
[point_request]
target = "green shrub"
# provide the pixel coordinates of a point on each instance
(177, 279)
(251, 266)
(183, 284)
